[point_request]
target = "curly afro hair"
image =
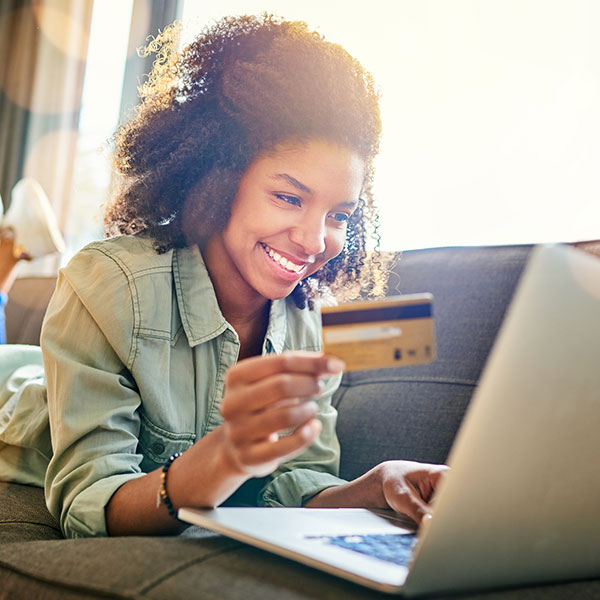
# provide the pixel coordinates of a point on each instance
(244, 86)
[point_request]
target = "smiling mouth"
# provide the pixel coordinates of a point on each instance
(287, 264)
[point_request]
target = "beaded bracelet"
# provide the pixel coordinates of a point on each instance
(162, 497)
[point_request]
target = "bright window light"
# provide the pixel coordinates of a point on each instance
(98, 119)
(490, 112)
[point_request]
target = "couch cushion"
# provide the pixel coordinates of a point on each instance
(199, 565)
(24, 516)
(414, 412)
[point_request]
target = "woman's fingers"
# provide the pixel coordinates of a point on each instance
(409, 487)
(256, 382)
(256, 396)
(259, 367)
(255, 444)
(260, 426)
(428, 485)
(262, 399)
(406, 500)
(282, 448)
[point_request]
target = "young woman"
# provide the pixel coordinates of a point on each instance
(182, 363)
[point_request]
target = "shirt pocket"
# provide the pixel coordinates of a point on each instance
(157, 444)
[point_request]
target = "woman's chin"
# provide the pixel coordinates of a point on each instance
(278, 292)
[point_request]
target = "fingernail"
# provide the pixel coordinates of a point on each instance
(311, 429)
(335, 365)
(306, 431)
(312, 405)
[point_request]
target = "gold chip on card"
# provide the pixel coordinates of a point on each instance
(393, 332)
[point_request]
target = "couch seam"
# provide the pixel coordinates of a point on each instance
(340, 396)
(441, 380)
(69, 586)
(20, 522)
(181, 567)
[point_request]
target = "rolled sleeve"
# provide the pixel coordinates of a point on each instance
(295, 482)
(92, 398)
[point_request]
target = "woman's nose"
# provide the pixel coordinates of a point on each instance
(310, 236)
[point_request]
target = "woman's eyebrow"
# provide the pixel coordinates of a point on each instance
(293, 181)
(349, 204)
(304, 188)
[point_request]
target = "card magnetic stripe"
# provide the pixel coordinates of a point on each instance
(384, 313)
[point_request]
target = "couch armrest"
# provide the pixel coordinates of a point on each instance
(27, 302)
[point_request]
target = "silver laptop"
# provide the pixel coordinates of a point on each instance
(521, 503)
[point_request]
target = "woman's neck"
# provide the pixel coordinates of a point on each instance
(243, 308)
(251, 328)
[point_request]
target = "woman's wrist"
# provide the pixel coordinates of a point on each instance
(205, 475)
(363, 492)
(197, 478)
(225, 459)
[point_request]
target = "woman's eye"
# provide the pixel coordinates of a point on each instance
(289, 199)
(341, 217)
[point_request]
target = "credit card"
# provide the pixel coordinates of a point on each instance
(393, 332)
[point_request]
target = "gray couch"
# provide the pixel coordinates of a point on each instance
(411, 413)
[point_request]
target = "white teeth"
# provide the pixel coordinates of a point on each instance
(282, 260)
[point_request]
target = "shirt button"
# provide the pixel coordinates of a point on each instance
(158, 448)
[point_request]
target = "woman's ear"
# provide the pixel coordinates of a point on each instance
(207, 207)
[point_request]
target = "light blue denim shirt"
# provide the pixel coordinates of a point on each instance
(135, 354)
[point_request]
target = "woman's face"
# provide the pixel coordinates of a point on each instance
(288, 218)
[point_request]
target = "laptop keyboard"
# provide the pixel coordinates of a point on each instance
(396, 548)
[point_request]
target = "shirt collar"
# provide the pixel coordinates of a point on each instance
(200, 313)
(277, 328)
